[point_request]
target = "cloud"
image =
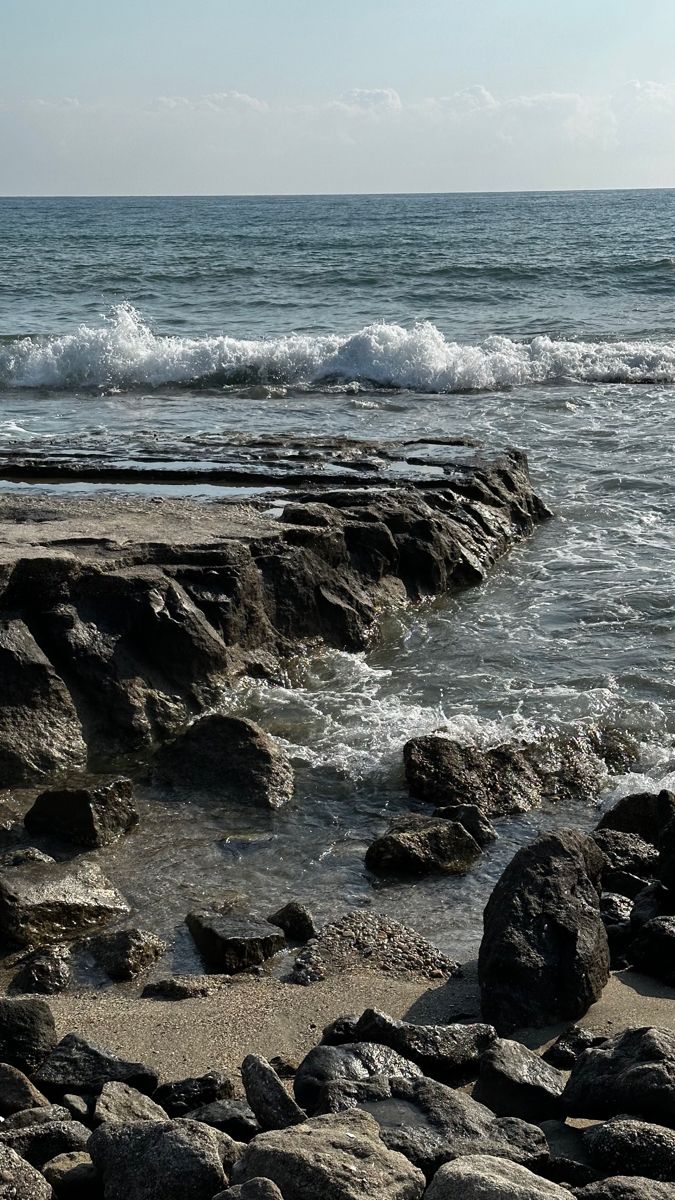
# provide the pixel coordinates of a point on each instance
(223, 102)
(369, 100)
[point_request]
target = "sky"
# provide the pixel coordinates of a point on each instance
(301, 96)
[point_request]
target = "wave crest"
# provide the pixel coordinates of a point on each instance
(123, 352)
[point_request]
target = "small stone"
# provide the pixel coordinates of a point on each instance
(178, 987)
(296, 921)
(565, 1050)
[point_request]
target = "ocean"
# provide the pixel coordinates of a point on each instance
(149, 333)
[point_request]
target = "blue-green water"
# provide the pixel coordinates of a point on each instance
(150, 332)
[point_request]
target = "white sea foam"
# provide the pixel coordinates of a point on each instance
(123, 352)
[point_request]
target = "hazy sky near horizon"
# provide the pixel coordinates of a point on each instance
(228, 96)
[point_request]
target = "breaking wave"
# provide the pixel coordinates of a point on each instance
(124, 352)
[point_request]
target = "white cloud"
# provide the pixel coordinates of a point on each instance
(369, 100)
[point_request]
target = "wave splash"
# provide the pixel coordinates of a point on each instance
(124, 353)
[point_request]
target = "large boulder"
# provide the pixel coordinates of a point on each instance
(633, 1073)
(339, 1158)
(630, 861)
(154, 1160)
(415, 845)
(79, 1066)
(231, 756)
(20, 1181)
(625, 1147)
(645, 814)
(449, 1053)
(40, 731)
(43, 1140)
(544, 956)
(17, 1093)
(652, 951)
(27, 1033)
(124, 953)
(229, 942)
(73, 1176)
(432, 1124)
(515, 1082)
(483, 1177)
(360, 1060)
(93, 814)
(267, 1096)
(626, 1187)
(46, 902)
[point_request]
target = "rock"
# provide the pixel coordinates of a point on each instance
(40, 731)
(124, 953)
(336, 1159)
(96, 813)
(267, 1096)
(626, 855)
(20, 1181)
(626, 1187)
(80, 1107)
(514, 1082)
(568, 1164)
(416, 845)
(565, 1050)
(25, 854)
(184, 1095)
(47, 971)
(361, 1060)
(431, 1124)
(80, 1066)
(369, 941)
(17, 1093)
(40, 1142)
(178, 987)
(41, 902)
(449, 1053)
(230, 943)
(27, 1033)
(653, 901)
(35, 1116)
(445, 772)
(255, 1189)
(665, 869)
(653, 950)
(228, 755)
(544, 956)
(233, 1117)
(73, 1177)
(644, 814)
(473, 819)
(296, 921)
(341, 1030)
(622, 1146)
(482, 1177)
(120, 1104)
(154, 1160)
(633, 1073)
(615, 911)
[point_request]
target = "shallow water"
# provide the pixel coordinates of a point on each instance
(577, 624)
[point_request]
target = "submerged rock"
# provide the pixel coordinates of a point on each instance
(417, 845)
(544, 956)
(231, 756)
(45, 902)
(93, 814)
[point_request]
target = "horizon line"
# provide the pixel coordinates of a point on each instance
(325, 195)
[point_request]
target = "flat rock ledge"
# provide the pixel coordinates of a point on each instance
(123, 619)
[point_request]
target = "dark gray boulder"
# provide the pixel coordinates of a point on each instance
(95, 813)
(17, 1093)
(630, 861)
(73, 1176)
(273, 1106)
(484, 1177)
(449, 1053)
(361, 1060)
(296, 921)
(35, 1116)
(27, 1033)
(653, 901)
(120, 1104)
(473, 819)
(20, 1181)
(335, 1158)
(177, 987)
(565, 1050)
(154, 1160)
(415, 845)
(645, 814)
(626, 1147)
(47, 971)
(544, 956)
(233, 1117)
(432, 1124)
(445, 772)
(46, 1139)
(124, 953)
(46, 902)
(615, 911)
(515, 1082)
(633, 1073)
(80, 1066)
(652, 951)
(255, 1189)
(626, 1187)
(230, 943)
(183, 1095)
(40, 731)
(231, 756)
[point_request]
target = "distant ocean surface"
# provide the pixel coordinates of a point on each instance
(149, 332)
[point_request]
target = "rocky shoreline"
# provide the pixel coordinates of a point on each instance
(125, 623)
